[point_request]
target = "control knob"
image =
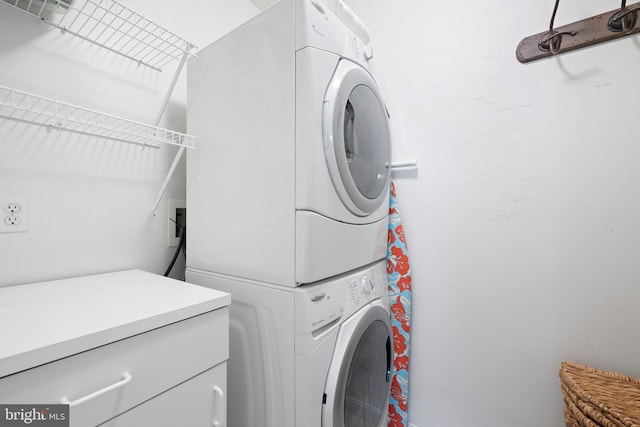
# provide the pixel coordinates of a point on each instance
(366, 284)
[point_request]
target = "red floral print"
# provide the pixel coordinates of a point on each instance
(400, 284)
(395, 419)
(399, 344)
(396, 392)
(400, 314)
(404, 283)
(403, 405)
(400, 233)
(401, 362)
(401, 260)
(398, 309)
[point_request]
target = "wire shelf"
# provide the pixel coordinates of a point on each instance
(26, 107)
(110, 25)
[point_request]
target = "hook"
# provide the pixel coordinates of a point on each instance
(56, 126)
(552, 41)
(624, 19)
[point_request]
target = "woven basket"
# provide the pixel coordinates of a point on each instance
(568, 418)
(581, 408)
(594, 397)
(577, 417)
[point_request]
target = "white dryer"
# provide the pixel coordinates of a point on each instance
(289, 183)
(313, 356)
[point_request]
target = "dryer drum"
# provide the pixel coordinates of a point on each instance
(349, 117)
(357, 139)
(365, 142)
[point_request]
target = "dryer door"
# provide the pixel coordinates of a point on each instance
(356, 138)
(357, 388)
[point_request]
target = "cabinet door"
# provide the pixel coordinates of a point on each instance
(198, 402)
(156, 361)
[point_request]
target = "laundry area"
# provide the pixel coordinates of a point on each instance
(318, 213)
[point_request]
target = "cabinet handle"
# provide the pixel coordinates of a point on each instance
(220, 394)
(126, 378)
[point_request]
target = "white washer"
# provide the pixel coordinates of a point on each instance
(289, 183)
(312, 356)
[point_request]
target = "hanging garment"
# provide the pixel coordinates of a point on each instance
(399, 278)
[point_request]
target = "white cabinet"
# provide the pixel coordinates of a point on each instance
(143, 350)
(199, 402)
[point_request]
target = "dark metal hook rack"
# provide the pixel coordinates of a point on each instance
(602, 28)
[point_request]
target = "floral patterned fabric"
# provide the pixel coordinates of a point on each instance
(399, 278)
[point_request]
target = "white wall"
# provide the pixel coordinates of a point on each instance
(91, 199)
(523, 222)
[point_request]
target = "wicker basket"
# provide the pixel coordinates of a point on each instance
(594, 397)
(593, 413)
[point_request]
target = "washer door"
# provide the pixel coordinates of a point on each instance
(357, 388)
(356, 138)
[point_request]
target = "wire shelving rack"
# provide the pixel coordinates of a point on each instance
(110, 25)
(54, 114)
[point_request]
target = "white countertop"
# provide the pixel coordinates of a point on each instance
(46, 321)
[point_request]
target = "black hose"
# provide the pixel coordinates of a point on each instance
(181, 246)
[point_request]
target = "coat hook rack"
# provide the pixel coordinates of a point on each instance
(602, 28)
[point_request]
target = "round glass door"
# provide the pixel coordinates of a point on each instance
(357, 139)
(367, 386)
(357, 388)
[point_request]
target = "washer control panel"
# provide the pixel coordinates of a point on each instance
(321, 304)
(318, 305)
(361, 290)
(364, 287)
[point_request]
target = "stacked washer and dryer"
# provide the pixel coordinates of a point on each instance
(287, 210)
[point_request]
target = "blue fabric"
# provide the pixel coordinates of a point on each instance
(399, 279)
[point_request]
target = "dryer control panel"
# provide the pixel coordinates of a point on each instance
(332, 26)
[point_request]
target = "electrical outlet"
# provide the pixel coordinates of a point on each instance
(12, 220)
(13, 207)
(14, 214)
(177, 215)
